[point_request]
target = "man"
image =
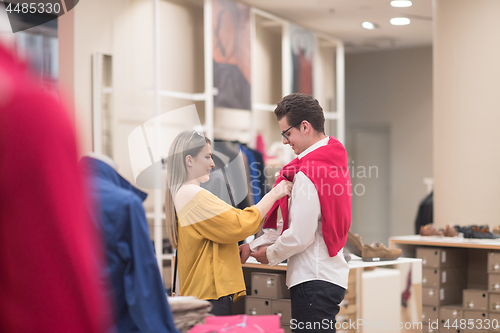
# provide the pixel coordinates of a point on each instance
(139, 299)
(316, 225)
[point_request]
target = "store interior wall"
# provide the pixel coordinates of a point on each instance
(124, 30)
(393, 90)
(466, 113)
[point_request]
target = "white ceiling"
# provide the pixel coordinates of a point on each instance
(343, 18)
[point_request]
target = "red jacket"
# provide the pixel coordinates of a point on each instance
(327, 168)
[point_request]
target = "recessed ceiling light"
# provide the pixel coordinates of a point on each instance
(368, 25)
(401, 3)
(400, 21)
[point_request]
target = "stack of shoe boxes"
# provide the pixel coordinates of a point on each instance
(444, 276)
(347, 313)
(269, 295)
(494, 291)
(475, 306)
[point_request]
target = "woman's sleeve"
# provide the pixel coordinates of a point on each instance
(219, 222)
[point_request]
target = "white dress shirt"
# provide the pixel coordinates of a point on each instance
(302, 243)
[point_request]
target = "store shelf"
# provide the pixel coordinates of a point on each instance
(355, 262)
(169, 256)
(472, 243)
(152, 216)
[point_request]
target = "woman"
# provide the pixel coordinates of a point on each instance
(204, 229)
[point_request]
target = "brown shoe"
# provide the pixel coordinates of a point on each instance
(496, 230)
(429, 230)
(354, 243)
(379, 253)
(450, 231)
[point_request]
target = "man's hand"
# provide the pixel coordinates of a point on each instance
(244, 253)
(260, 255)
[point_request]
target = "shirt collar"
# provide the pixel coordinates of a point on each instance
(320, 143)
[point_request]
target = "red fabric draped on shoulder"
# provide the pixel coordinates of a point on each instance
(328, 169)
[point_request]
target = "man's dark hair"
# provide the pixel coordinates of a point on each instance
(298, 107)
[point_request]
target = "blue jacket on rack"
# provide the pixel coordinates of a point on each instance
(137, 293)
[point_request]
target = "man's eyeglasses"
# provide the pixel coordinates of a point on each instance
(289, 128)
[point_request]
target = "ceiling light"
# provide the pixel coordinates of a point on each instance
(368, 25)
(401, 3)
(400, 21)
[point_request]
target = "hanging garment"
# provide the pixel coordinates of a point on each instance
(260, 167)
(425, 212)
(228, 158)
(140, 302)
(50, 251)
(260, 146)
(254, 175)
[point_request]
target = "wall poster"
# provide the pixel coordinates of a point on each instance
(231, 54)
(303, 44)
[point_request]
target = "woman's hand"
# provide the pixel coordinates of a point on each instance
(244, 253)
(282, 189)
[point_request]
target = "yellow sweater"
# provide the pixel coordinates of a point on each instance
(209, 262)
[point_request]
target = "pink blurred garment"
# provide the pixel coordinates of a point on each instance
(240, 323)
(260, 146)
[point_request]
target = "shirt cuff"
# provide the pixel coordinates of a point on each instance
(272, 256)
(256, 243)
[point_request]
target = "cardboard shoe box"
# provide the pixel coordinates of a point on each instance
(429, 313)
(436, 277)
(494, 262)
(282, 308)
(494, 283)
(433, 296)
(477, 317)
(450, 315)
(256, 306)
(494, 322)
(429, 329)
(442, 257)
(269, 285)
(474, 299)
(494, 303)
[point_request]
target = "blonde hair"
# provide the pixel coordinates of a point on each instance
(186, 143)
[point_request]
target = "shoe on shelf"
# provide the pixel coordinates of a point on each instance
(479, 232)
(450, 231)
(429, 230)
(354, 243)
(483, 232)
(496, 230)
(379, 253)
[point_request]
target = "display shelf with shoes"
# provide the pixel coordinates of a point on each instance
(374, 252)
